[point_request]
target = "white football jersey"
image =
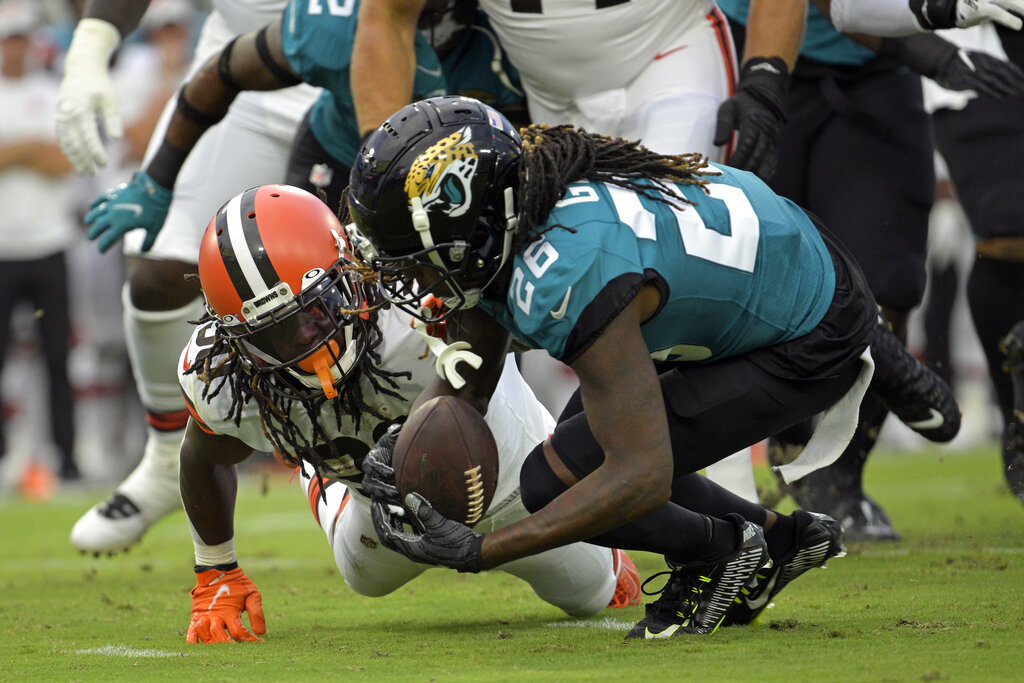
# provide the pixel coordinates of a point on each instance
(516, 418)
(243, 16)
(575, 48)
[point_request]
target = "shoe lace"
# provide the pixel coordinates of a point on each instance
(680, 595)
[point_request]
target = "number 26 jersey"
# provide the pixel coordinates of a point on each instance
(738, 269)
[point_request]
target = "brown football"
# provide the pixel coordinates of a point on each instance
(446, 453)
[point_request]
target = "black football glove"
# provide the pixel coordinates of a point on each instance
(378, 475)
(757, 112)
(439, 540)
(956, 68)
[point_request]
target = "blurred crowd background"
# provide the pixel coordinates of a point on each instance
(70, 413)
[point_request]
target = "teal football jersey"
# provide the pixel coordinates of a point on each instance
(739, 269)
(821, 42)
(317, 41)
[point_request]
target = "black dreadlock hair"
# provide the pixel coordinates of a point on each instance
(234, 370)
(554, 156)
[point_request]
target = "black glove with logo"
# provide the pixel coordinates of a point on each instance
(955, 68)
(757, 112)
(436, 540)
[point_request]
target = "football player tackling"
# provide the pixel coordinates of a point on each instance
(295, 357)
(700, 311)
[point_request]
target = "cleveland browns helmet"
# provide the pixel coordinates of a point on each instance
(434, 191)
(273, 266)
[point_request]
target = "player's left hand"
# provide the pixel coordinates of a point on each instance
(218, 600)
(757, 112)
(139, 203)
(439, 540)
(981, 72)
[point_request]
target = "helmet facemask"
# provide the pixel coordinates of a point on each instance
(311, 341)
(455, 271)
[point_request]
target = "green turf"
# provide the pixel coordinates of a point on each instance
(943, 604)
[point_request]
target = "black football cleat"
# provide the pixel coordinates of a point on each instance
(912, 391)
(818, 540)
(696, 596)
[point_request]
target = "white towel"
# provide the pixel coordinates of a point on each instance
(835, 430)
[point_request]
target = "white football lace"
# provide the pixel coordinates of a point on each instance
(474, 495)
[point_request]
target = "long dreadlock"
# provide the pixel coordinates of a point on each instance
(554, 156)
(224, 365)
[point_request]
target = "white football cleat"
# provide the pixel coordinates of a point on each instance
(145, 497)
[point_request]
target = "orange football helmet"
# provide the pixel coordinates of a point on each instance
(273, 266)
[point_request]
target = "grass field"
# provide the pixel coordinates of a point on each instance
(945, 603)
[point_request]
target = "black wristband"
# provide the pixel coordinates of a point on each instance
(224, 66)
(186, 109)
(934, 14)
(200, 568)
(280, 73)
(166, 164)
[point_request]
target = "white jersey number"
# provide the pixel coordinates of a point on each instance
(736, 250)
(337, 8)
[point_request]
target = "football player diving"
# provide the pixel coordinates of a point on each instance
(296, 356)
(456, 52)
(701, 312)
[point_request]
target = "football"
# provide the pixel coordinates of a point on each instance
(446, 453)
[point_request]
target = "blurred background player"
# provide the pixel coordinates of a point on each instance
(846, 136)
(317, 376)
(36, 224)
(250, 147)
(981, 139)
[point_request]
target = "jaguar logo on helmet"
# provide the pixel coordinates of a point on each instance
(441, 177)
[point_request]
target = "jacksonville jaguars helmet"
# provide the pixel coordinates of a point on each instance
(434, 192)
(274, 268)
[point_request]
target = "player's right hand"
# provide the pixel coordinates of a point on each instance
(86, 91)
(378, 475)
(756, 111)
(218, 600)
(139, 203)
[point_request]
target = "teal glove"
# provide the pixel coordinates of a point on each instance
(139, 203)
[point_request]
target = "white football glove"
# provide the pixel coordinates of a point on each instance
(85, 91)
(971, 12)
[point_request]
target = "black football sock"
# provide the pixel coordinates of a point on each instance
(700, 494)
(781, 538)
(995, 293)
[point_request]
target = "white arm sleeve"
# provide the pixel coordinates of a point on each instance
(886, 18)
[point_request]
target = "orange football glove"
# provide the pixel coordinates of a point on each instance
(218, 601)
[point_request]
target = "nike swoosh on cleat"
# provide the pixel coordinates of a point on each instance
(935, 420)
(134, 208)
(762, 600)
(661, 634)
(559, 312)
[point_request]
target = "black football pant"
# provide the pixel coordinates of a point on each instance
(43, 284)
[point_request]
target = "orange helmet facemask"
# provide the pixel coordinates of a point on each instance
(274, 267)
